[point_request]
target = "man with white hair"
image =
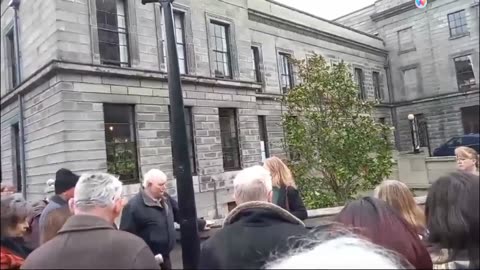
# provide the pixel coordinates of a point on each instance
(252, 231)
(88, 240)
(151, 215)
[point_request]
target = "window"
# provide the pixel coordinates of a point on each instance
(112, 32)
(470, 119)
(256, 64)
(376, 85)
(405, 40)
(229, 137)
(190, 138)
(457, 23)
(359, 80)
(221, 50)
(422, 130)
(11, 58)
(382, 121)
(286, 72)
(410, 80)
(464, 70)
(179, 22)
(262, 125)
(121, 141)
(16, 165)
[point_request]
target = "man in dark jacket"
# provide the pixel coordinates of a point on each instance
(255, 230)
(88, 240)
(65, 181)
(151, 215)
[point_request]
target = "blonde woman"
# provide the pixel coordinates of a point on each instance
(399, 196)
(285, 193)
(467, 159)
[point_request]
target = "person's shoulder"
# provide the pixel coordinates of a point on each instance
(120, 236)
(43, 253)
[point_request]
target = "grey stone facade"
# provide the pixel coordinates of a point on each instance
(64, 86)
(427, 57)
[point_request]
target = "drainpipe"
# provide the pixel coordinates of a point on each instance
(15, 4)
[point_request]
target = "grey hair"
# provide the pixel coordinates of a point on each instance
(252, 184)
(153, 173)
(327, 249)
(14, 209)
(97, 190)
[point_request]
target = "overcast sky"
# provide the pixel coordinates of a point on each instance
(328, 9)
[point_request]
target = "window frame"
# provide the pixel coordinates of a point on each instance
(131, 26)
(263, 132)
(360, 80)
(257, 70)
(236, 145)
(134, 140)
(182, 14)
(461, 19)
(401, 48)
(188, 111)
(465, 114)
(286, 66)
(469, 86)
(225, 54)
(377, 87)
(16, 156)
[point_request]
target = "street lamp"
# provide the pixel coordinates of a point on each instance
(416, 148)
(186, 195)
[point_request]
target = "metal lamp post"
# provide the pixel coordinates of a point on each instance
(416, 148)
(186, 195)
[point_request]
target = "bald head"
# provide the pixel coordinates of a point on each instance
(154, 182)
(253, 184)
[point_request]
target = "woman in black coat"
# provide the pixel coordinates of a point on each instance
(285, 193)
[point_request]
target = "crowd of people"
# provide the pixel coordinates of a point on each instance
(76, 229)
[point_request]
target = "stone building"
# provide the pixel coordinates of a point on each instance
(92, 89)
(433, 59)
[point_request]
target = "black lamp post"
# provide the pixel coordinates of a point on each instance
(186, 195)
(416, 148)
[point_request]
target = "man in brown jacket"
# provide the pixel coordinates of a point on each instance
(88, 240)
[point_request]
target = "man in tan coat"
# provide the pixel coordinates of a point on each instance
(88, 240)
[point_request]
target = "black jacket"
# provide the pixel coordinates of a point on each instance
(152, 222)
(251, 234)
(295, 202)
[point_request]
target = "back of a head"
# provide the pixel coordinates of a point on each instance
(344, 252)
(279, 171)
(399, 196)
(95, 190)
(451, 220)
(384, 226)
(252, 184)
(64, 180)
(13, 210)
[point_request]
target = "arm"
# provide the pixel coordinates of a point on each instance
(145, 260)
(295, 203)
(127, 221)
(207, 258)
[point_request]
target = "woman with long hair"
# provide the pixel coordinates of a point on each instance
(452, 216)
(375, 220)
(14, 225)
(467, 159)
(399, 196)
(285, 193)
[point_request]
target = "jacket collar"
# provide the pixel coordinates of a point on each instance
(15, 245)
(149, 201)
(85, 223)
(58, 199)
(258, 205)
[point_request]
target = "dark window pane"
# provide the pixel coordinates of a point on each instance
(264, 147)
(112, 32)
(12, 58)
(121, 142)
(229, 137)
(464, 70)
(359, 80)
(376, 85)
(221, 50)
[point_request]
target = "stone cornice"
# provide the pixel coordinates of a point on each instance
(54, 67)
(410, 5)
(268, 19)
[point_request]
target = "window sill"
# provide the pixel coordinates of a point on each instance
(407, 51)
(459, 36)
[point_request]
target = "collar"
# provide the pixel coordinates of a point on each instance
(149, 201)
(15, 245)
(258, 205)
(85, 223)
(58, 199)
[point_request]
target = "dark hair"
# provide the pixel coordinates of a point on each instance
(452, 213)
(14, 209)
(55, 221)
(384, 226)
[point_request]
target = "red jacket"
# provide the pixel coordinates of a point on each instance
(9, 260)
